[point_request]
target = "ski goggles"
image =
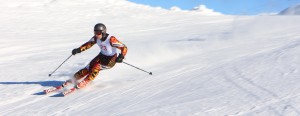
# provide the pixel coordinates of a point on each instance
(98, 32)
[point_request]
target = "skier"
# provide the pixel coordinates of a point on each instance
(106, 59)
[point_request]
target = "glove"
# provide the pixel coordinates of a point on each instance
(75, 51)
(120, 58)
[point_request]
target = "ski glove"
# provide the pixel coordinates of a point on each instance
(120, 58)
(75, 51)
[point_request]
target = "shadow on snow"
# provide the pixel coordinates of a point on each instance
(42, 83)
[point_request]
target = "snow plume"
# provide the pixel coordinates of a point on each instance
(204, 10)
(293, 10)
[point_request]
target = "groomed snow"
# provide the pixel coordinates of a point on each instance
(202, 65)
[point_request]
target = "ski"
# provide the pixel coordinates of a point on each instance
(67, 92)
(57, 88)
(53, 89)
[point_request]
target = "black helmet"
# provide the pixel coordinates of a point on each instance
(100, 27)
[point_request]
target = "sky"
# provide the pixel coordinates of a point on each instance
(231, 7)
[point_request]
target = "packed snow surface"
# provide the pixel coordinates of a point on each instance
(202, 65)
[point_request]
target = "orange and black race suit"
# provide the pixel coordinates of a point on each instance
(104, 60)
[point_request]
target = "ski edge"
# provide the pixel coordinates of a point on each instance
(52, 89)
(69, 91)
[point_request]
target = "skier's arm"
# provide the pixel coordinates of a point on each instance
(87, 45)
(116, 43)
(84, 47)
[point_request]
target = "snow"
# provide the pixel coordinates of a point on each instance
(202, 65)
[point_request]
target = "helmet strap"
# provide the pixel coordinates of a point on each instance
(104, 37)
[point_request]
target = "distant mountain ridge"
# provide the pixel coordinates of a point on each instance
(293, 10)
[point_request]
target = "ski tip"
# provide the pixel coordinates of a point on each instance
(150, 73)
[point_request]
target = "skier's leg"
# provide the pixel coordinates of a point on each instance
(81, 73)
(94, 71)
(100, 62)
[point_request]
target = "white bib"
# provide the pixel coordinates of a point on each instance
(106, 48)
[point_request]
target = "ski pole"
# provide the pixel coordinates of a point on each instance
(150, 73)
(60, 65)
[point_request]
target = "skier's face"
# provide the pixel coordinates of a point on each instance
(98, 34)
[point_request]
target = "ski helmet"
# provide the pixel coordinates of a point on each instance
(100, 27)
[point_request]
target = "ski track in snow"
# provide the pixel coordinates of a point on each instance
(202, 65)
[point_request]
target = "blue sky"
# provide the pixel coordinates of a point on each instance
(246, 7)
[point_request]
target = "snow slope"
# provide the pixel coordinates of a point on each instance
(202, 65)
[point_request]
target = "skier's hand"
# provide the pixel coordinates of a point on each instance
(75, 51)
(120, 58)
